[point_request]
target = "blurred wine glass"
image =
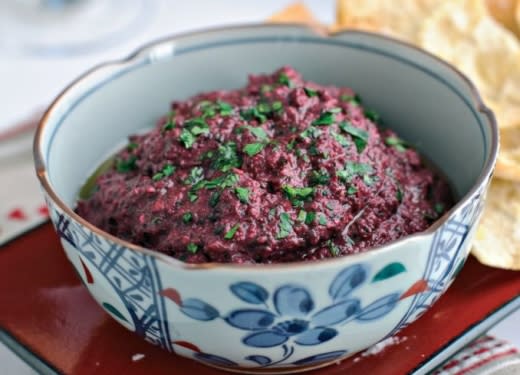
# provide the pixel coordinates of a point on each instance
(68, 27)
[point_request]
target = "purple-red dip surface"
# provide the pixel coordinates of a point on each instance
(282, 170)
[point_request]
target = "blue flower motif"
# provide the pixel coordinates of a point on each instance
(293, 320)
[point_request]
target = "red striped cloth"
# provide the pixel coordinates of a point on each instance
(486, 355)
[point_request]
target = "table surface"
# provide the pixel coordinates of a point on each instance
(29, 83)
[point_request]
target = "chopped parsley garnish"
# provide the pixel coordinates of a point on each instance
(192, 129)
(214, 198)
(186, 138)
(302, 215)
(253, 148)
(356, 99)
(399, 195)
(258, 132)
(368, 180)
(192, 248)
(242, 194)
(359, 136)
(326, 118)
(342, 140)
(372, 115)
(310, 132)
(297, 195)
(310, 92)
(283, 79)
(225, 108)
(285, 226)
(353, 169)
(125, 166)
(222, 182)
(169, 124)
(321, 177)
(167, 170)
(227, 157)
(352, 190)
(131, 146)
(396, 143)
(192, 196)
(196, 175)
(276, 106)
(322, 220)
(333, 248)
(290, 145)
(187, 217)
(309, 218)
(253, 113)
(439, 208)
(197, 126)
(313, 150)
(231, 233)
(266, 88)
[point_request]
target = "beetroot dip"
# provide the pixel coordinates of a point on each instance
(282, 170)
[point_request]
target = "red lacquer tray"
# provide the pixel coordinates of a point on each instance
(50, 320)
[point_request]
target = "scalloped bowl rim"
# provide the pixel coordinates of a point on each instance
(154, 48)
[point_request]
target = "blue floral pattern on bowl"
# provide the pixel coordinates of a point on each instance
(295, 318)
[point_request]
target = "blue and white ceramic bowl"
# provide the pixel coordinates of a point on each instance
(268, 318)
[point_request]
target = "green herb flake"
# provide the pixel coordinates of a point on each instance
(359, 136)
(321, 177)
(186, 138)
(225, 108)
(196, 175)
(252, 149)
(242, 194)
(311, 132)
(439, 208)
(131, 146)
(353, 169)
(266, 88)
(277, 105)
(310, 92)
(290, 145)
(399, 195)
(158, 176)
(192, 248)
(296, 194)
(214, 198)
(197, 126)
(333, 248)
(372, 115)
(231, 233)
(355, 100)
(325, 118)
(285, 226)
(125, 166)
(258, 132)
(169, 124)
(192, 196)
(283, 79)
(226, 157)
(253, 113)
(271, 213)
(368, 180)
(322, 219)
(168, 170)
(352, 190)
(302, 215)
(342, 140)
(187, 217)
(396, 143)
(309, 219)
